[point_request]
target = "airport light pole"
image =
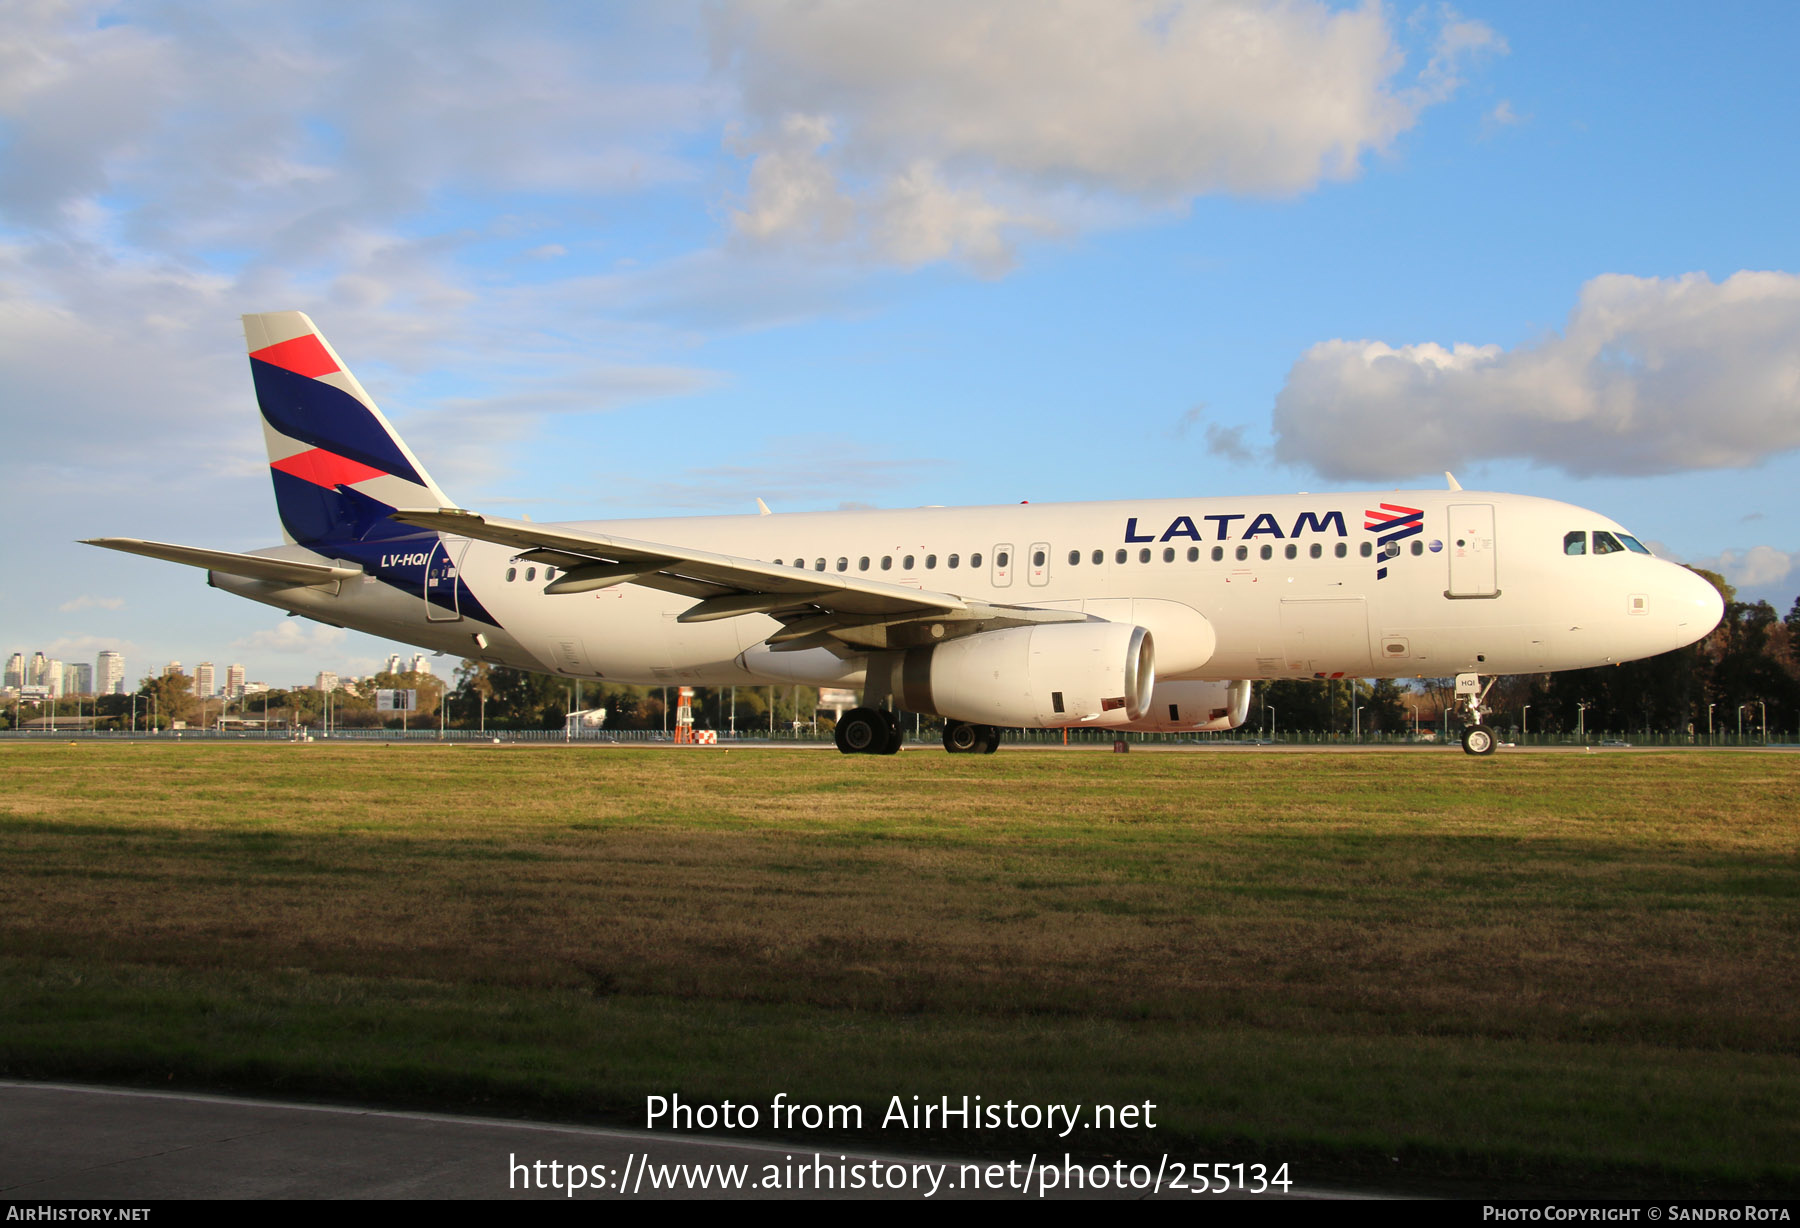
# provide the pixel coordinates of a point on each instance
(1764, 709)
(1741, 708)
(1271, 709)
(1356, 723)
(1709, 728)
(1415, 712)
(1581, 721)
(1525, 720)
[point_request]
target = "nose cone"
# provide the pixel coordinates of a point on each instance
(1696, 604)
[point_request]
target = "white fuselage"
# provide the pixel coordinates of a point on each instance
(1233, 588)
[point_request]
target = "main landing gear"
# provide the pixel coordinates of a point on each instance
(869, 731)
(962, 738)
(1477, 739)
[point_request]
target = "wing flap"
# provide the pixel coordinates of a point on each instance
(692, 573)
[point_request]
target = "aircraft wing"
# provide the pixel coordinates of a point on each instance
(255, 566)
(819, 609)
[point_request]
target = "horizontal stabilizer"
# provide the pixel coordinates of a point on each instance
(254, 566)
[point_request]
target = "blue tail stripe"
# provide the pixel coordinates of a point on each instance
(327, 417)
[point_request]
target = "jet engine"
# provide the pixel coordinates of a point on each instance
(1042, 677)
(1191, 707)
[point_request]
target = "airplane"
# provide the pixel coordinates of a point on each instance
(1149, 615)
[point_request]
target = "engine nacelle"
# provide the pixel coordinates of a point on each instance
(1190, 707)
(1043, 677)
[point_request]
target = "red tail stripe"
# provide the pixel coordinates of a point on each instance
(304, 355)
(326, 469)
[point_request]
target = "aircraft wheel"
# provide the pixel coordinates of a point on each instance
(961, 738)
(862, 731)
(896, 736)
(990, 739)
(1479, 740)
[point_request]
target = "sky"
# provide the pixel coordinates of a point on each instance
(608, 261)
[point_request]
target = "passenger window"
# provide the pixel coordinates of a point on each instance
(887, 562)
(862, 564)
(1168, 554)
(1193, 554)
(1038, 558)
(1575, 543)
(907, 563)
(1002, 559)
(843, 564)
(1341, 550)
(1119, 556)
(1391, 550)
(1316, 550)
(1268, 552)
(1606, 543)
(1218, 554)
(1099, 557)
(1418, 548)
(954, 560)
(1293, 551)
(530, 573)
(931, 562)
(511, 572)
(1243, 552)
(819, 565)
(1144, 555)
(974, 560)
(549, 573)
(1074, 557)
(1367, 549)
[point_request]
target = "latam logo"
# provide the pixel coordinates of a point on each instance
(1395, 524)
(404, 560)
(1264, 525)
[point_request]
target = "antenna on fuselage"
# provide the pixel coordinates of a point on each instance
(762, 509)
(1451, 478)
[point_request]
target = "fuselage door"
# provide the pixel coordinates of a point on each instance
(1003, 565)
(1039, 563)
(1473, 572)
(441, 574)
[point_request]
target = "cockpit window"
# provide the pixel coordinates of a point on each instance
(1606, 543)
(1575, 543)
(1633, 544)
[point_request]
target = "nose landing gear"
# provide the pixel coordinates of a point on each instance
(1477, 739)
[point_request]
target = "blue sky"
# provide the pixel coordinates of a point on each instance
(644, 260)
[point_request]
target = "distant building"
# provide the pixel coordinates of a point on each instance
(327, 681)
(234, 682)
(15, 670)
(421, 664)
(171, 669)
(203, 680)
(39, 669)
(53, 678)
(78, 679)
(110, 673)
(393, 663)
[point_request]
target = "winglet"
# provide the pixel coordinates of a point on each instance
(762, 509)
(1451, 478)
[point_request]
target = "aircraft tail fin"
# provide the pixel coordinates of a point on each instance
(337, 464)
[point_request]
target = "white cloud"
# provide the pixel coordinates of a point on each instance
(84, 602)
(292, 636)
(1759, 567)
(1650, 375)
(938, 127)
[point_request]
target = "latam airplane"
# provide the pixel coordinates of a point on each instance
(1138, 615)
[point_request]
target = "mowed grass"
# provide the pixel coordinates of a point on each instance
(1534, 970)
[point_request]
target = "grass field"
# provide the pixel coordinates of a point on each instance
(1536, 972)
